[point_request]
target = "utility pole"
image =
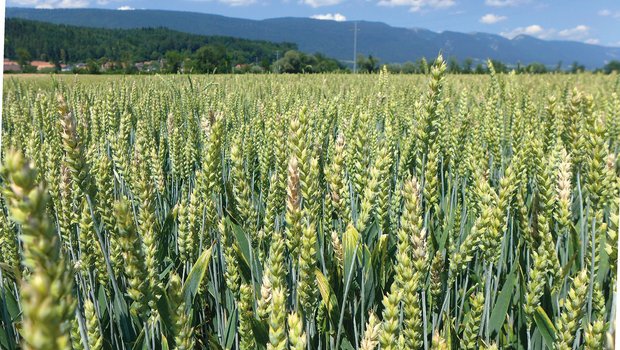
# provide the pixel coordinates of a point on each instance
(355, 48)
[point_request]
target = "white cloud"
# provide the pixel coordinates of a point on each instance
(106, 2)
(238, 2)
(52, 4)
(228, 2)
(490, 18)
(330, 17)
(580, 32)
(321, 3)
(533, 30)
(418, 5)
(24, 2)
(608, 13)
(504, 3)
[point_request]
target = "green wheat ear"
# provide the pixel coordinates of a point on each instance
(76, 336)
(370, 339)
(232, 275)
(595, 335)
(246, 316)
(47, 303)
(296, 335)
(293, 209)
(307, 288)
(9, 246)
(95, 339)
(571, 316)
(390, 328)
(134, 259)
(438, 342)
(182, 329)
(472, 322)
(277, 321)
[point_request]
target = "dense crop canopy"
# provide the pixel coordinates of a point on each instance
(310, 212)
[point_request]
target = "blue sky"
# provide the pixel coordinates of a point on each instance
(592, 21)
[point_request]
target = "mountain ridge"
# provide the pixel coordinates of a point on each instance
(335, 39)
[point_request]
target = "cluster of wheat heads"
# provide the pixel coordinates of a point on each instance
(310, 212)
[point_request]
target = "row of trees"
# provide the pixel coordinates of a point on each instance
(370, 64)
(217, 60)
(299, 62)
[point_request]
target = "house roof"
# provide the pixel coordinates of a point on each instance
(11, 66)
(42, 64)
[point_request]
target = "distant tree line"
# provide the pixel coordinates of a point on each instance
(370, 64)
(299, 62)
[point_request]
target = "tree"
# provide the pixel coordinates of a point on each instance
(453, 65)
(23, 57)
(290, 62)
(467, 65)
(128, 66)
(409, 68)
(174, 59)
(577, 68)
(209, 59)
(298, 62)
(326, 64)
(612, 66)
(536, 68)
(63, 56)
(92, 67)
(519, 68)
(500, 67)
(368, 64)
(264, 64)
(423, 64)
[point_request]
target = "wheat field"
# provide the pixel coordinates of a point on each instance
(310, 212)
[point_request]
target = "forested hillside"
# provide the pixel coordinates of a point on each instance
(67, 44)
